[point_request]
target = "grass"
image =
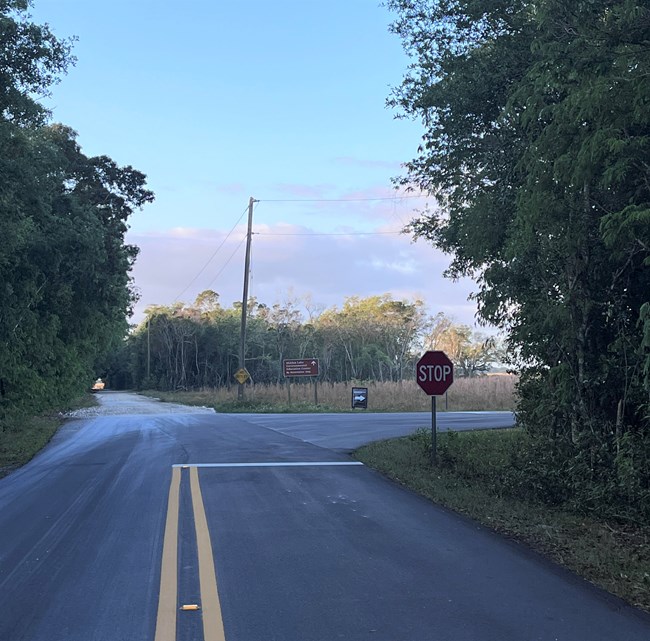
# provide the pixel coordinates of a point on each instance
(612, 556)
(466, 394)
(22, 438)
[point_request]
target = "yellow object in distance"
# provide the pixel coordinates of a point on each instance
(242, 375)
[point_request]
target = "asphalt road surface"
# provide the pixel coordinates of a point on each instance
(162, 523)
(346, 432)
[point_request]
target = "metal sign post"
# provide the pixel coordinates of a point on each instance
(434, 374)
(293, 367)
(434, 431)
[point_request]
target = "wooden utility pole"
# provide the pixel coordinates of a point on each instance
(148, 351)
(244, 301)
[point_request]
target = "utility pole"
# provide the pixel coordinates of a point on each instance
(148, 350)
(244, 301)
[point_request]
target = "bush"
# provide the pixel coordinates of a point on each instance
(595, 481)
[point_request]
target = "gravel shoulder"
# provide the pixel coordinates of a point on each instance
(121, 403)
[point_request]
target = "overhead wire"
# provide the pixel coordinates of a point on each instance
(337, 200)
(241, 242)
(352, 233)
(223, 242)
(292, 200)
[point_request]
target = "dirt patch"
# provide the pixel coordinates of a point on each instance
(117, 403)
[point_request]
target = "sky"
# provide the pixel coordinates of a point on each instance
(219, 101)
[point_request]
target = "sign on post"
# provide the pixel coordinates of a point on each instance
(434, 373)
(360, 398)
(300, 367)
(242, 375)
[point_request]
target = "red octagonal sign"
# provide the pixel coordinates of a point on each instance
(434, 373)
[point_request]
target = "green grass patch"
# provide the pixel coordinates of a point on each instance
(21, 438)
(473, 477)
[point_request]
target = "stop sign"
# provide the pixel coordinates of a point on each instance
(434, 373)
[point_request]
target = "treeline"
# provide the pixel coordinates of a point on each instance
(536, 144)
(375, 338)
(64, 283)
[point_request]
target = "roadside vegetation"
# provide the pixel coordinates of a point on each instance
(487, 476)
(64, 263)
(196, 345)
(477, 393)
(24, 437)
(535, 144)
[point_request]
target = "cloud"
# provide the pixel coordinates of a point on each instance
(232, 189)
(364, 208)
(402, 264)
(180, 263)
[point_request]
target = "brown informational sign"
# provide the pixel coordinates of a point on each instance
(300, 367)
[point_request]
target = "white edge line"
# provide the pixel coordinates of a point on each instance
(299, 464)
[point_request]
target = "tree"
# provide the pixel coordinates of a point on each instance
(536, 145)
(371, 338)
(32, 61)
(64, 265)
(472, 353)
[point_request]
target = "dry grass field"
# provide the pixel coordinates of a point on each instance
(482, 393)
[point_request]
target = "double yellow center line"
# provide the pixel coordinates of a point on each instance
(210, 608)
(168, 601)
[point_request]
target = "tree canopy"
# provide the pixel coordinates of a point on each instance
(536, 144)
(375, 338)
(64, 264)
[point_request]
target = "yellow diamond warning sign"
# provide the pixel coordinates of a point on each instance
(242, 375)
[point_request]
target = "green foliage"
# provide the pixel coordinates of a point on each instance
(512, 463)
(183, 347)
(422, 438)
(495, 458)
(536, 141)
(64, 284)
(471, 352)
(32, 60)
(194, 346)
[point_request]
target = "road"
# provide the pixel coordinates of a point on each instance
(346, 432)
(130, 515)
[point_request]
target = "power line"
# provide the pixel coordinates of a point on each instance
(213, 255)
(353, 233)
(241, 242)
(336, 200)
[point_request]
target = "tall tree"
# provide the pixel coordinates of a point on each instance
(64, 265)
(536, 145)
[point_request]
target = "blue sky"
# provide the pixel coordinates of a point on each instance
(283, 101)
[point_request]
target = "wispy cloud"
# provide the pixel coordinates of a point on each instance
(330, 267)
(231, 189)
